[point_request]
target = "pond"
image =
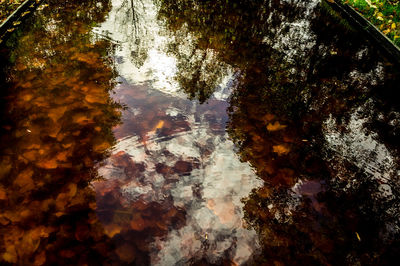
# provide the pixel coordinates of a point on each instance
(172, 132)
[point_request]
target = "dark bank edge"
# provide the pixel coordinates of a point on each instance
(357, 20)
(16, 18)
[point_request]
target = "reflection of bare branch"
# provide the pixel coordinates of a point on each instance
(129, 18)
(134, 17)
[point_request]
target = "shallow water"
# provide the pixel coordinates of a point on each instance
(166, 132)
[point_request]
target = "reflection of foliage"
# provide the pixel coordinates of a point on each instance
(129, 13)
(304, 214)
(200, 73)
(231, 37)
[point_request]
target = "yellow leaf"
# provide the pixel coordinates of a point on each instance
(159, 125)
(386, 32)
(393, 25)
(358, 236)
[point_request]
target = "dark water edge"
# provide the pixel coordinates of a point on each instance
(197, 133)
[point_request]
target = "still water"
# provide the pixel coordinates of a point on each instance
(164, 132)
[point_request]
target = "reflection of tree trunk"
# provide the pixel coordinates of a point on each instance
(134, 18)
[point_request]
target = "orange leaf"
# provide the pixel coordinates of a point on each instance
(112, 229)
(275, 127)
(48, 163)
(280, 149)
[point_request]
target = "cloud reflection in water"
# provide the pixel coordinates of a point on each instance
(185, 159)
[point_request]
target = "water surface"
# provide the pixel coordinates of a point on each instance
(197, 133)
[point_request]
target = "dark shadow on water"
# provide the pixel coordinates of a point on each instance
(315, 112)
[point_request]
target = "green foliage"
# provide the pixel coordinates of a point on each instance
(384, 14)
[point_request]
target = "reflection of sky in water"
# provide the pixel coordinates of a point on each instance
(142, 54)
(162, 130)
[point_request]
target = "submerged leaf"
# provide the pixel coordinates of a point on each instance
(280, 149)
(275, 127)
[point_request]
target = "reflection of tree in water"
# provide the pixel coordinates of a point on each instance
(229, 34)
(308, 115)
(129, 14)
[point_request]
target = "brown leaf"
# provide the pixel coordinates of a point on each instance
(183, 167)
(48, 163)
(268, 117)
(72, 189)
(31, 155)
(10, 255)
(126, 253)
(137, 223)
(3, 220)
(81, 119)
(101, 146)
(30, 242)
(82, 232)
(40, 259)
(57, 113)
(62, 156)
(25, 181)
(96, 98)
(3, 193)
(67, 254)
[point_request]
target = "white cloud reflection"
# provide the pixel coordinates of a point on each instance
(210, 192)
